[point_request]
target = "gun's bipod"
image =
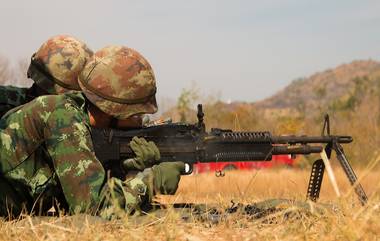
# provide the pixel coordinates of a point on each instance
(318, 168)
(315, 181)
(347, 168)
(316, 175)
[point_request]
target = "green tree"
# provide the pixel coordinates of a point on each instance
(186, 101)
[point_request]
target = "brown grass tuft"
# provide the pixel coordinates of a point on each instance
(352, 222)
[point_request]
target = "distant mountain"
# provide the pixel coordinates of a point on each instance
(334, 88)
(343, 88)
(349, 93)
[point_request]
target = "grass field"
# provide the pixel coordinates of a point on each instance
(351, 222)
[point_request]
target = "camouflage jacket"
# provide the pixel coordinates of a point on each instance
(46, 153)
(11, 97)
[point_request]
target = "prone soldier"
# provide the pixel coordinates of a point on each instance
(46, 151)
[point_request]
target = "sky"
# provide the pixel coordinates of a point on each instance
(242, 50)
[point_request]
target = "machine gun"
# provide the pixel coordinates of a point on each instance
(191, 143)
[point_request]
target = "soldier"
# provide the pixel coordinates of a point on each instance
(54, 68)
(46, 151)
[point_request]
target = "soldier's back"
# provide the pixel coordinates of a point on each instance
(27, 136)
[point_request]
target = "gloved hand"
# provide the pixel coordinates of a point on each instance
(146, 153)
(166, 176)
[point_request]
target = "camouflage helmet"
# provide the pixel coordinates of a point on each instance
(120, 82)
(58, 62)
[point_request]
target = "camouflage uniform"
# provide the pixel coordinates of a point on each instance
(46, 155)
(46, 151)
(54, 69)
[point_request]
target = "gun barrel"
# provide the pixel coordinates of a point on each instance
(309, 139)
(304, 150)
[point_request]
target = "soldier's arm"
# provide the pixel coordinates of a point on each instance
(68, 142)
(81, 175)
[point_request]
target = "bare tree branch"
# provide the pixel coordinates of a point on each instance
(5, 71)
(19, 74)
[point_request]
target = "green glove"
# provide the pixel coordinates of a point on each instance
(166, 176)
(146, 153)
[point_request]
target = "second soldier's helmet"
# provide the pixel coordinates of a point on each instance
(120, 82)
(56, 65)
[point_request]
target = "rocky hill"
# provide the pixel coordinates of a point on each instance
(341, 87)
(347, 88)
(350, 93)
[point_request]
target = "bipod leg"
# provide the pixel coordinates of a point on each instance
(350, 173)
(316, 177)
(330, 173)
(318, 168)
(315, 180)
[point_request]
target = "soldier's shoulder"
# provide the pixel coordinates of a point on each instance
(74, 99)
(64, 105)
(64, 108)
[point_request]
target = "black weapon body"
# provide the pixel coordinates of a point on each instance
(191, 144)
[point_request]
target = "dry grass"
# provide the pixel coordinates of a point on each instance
(256, 185)
(352, 222)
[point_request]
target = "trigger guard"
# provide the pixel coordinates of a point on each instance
(188, 169)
